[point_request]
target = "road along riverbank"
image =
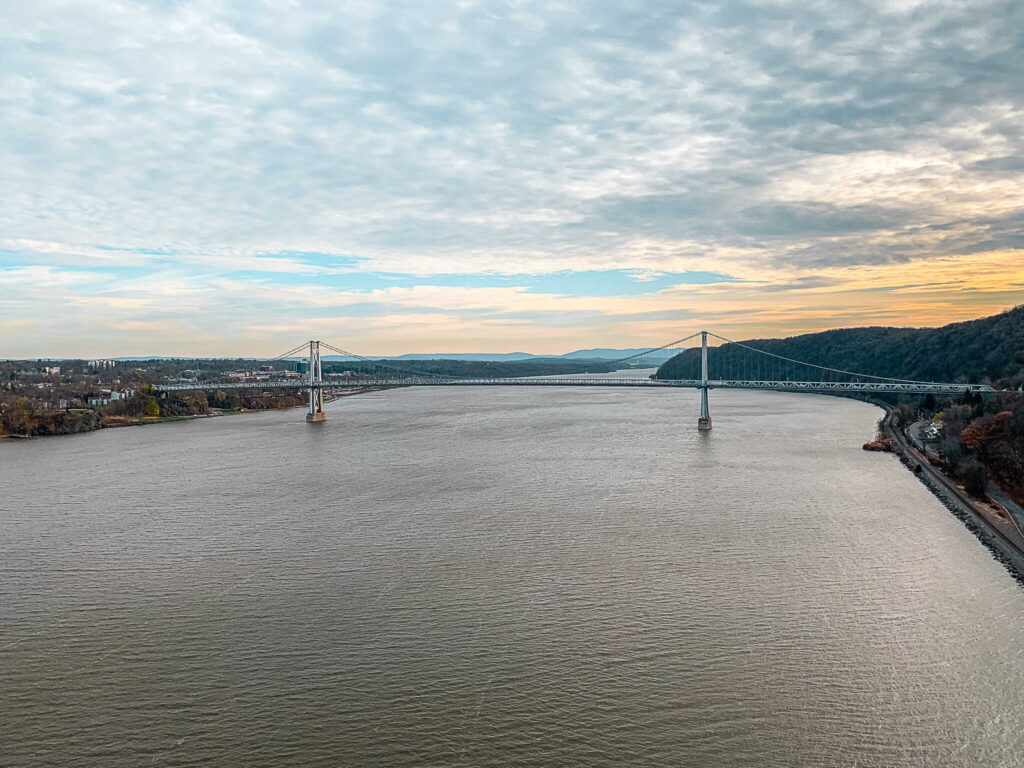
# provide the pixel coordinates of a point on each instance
(993, 526)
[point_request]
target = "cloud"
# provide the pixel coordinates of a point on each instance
(42, 277)
(160, 149)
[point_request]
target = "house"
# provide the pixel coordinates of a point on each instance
(103, 398)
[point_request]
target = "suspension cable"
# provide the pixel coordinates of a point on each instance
(382, 364)
(420, 374)
(819, 367)
(653, 349)
(290, 352)
(428, 374)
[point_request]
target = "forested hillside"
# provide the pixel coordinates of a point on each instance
(989, 350)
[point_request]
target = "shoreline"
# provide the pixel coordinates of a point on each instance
(1006, 546)
(149, 421)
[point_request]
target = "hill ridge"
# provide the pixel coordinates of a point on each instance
(986, 350)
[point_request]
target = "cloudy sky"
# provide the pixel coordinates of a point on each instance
(231, 178)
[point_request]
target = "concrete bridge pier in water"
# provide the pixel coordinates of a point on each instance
(704, 422)
(316, 412)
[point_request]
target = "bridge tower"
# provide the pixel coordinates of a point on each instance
(316, 379)
(704, 422)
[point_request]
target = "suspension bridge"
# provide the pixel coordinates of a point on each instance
(734, 365)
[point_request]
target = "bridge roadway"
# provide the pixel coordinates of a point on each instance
(583, 381)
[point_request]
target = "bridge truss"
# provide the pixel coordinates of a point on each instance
(581, 381)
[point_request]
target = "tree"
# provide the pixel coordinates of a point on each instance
(16, 416)
(955, 419)
(188, 403)
(951, 450)
(906, 414)
(973, 476)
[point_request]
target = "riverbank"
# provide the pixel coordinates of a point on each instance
(117, 422)
(989, 522)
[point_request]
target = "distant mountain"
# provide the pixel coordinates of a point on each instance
(603, 354)
(987, 350)
(496, 356)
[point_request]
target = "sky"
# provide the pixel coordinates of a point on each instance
(232, 178)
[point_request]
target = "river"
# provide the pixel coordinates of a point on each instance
(499, 576)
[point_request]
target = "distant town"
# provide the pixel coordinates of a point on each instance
(57, 397)
(61, 397)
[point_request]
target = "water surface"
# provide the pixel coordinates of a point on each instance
(499, 576)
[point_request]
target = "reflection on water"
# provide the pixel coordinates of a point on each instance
(476, 577)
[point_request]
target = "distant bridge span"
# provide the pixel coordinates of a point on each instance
(830, 380)
(345, 382)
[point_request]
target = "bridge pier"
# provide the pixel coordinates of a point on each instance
(704, 422)
(316, 412)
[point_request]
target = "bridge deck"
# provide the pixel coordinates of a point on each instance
(583, 381)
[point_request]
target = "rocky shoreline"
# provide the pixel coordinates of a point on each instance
(1006, 546)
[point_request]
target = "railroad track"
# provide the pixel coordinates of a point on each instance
(909, 450)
